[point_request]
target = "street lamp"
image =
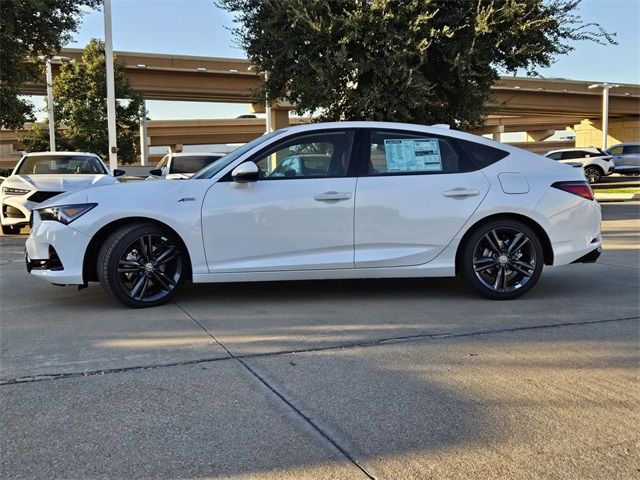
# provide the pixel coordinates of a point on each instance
(111, 94)
(605, 108)
(49, 76)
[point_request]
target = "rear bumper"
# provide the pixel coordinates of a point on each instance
(590, 257)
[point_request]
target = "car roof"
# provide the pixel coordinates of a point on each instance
(199, 154)
(626, 144)
(62, 154)
(580, 149)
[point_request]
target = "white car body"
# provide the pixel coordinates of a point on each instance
(585, 157)
(354, 226)
(39, 187)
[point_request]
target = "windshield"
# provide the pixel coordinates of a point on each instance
(192, 163)
(225, 161)
(61, 165)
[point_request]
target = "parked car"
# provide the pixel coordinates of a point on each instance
(179, 166)
(626, 157)
(595, 162)
(40, 176)
(393, 200)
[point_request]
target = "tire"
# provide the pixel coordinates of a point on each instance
(142, 265)
(11, 229)
(488, 252)
(593, 174)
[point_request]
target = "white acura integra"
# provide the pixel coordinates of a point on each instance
(40, 176)
(327, 201)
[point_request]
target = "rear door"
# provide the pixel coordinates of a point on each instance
(414, 193)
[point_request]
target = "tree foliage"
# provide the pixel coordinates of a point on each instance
(29, 29)
(80, 105)
(425, 61)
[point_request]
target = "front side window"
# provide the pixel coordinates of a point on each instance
(555, 156)
(61, 165)
(616, 150)
(315, 155)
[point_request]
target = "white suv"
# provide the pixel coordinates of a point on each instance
(595, 162)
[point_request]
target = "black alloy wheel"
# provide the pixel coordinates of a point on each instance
(593, 174)
(141, 265)
(502, 260)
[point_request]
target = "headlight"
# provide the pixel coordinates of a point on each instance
(14, 191)
(65, 213)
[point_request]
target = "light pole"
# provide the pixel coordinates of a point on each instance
(267, 108)
(52, 123)
(111, 94)
(605, 109)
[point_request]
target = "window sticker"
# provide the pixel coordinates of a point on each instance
(411, 155)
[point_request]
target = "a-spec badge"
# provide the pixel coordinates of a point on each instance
(187, 199)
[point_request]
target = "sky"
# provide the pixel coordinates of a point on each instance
(198, 27)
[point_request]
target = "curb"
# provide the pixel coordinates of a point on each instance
(616, 197)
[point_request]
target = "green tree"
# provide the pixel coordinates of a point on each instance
(424, 61)
(29, 29)
(80, 104)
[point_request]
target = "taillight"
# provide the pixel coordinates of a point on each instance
(580, 188)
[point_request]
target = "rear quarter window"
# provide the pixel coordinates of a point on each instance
(480, 155)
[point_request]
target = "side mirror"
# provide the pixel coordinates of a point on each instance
(246, 172)
(156, 172)
(118, 173)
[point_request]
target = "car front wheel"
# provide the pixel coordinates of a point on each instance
(142, 265)
(502, 260)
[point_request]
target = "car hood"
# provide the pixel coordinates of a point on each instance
(58, 183)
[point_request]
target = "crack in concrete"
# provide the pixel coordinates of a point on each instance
(344, 346)
(281, 397)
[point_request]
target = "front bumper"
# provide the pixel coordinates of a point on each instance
(55, 252)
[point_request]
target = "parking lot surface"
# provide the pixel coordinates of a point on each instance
(340, 379)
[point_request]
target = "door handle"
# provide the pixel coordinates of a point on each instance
(461, 192)
(332, 196)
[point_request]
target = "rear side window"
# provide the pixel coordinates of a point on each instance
(482, 155)
(627, 149)
(406, 153)
(555, 156)
(572, 154)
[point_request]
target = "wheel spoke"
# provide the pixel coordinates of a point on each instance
(128, 266)
(494, 246)
(149, 247)
(136, 288)
(166, 256)
(521, 270)
(498, 278)
(482, 264)
(161, 281)
(144, 287)
(521, 263)
(164, 278)
(517, 243)
(504, 279)
(142, 248)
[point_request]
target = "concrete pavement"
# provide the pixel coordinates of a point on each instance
(386, 379)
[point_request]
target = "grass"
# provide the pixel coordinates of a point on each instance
(618, 190)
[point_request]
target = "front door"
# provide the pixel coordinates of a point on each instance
(297, 216)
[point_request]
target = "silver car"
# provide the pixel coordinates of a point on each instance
(626, 157)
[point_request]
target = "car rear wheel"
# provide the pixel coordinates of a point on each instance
(593, 174)
(502, 260)
(142, 265)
